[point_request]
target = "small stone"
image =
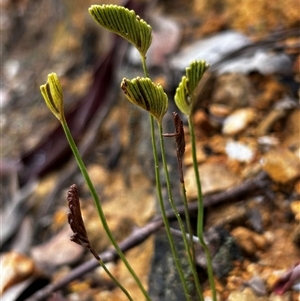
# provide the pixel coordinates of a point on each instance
(281, 165)
(246, 295)
(270, 237)
(188, 158)
(258, 286)
(238, 121)
(203, 123)
(253, 268)
(296, 287)
(217, 143)
(215, 176)
(11, 68)
(296, 236)
(292, 130)
(219, 110)
(282, 258)
(295, 208)
(229, 215)
(248, 240)
(239, 151)
(79, 286)
(234, 282)
(104, 295)
(272, 277)
(266, 142)
(285, 297)
(270, 91)
(267, 123)
(297, 187)
(15, 268)
(47, 255)
(297, 153)
(208, 297)
(6, 98)
(232, 90)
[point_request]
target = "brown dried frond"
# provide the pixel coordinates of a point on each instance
(76, 223)
(180, 142)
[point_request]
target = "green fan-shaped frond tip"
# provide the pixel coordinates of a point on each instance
(184, 96)
(125, 23)
(147, 95)
(53, 96)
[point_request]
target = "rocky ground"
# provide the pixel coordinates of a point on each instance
(248, 146)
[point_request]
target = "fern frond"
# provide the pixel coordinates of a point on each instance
(147, 95)
(125, 23)
(184, 96)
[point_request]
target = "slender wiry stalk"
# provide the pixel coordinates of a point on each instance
(180, 149)
(180, 222)
(115, 280)
(201, 212)
(161, 201)
(95, 196)
(189, 227)
(164, 216)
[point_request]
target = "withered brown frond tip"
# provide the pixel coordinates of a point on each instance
(75, 220)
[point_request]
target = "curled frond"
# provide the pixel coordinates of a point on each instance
(184, 97)
(53, 96)
(147, 95)
(125, 23)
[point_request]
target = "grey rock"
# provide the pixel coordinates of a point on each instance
(211, 49)
(216, 48)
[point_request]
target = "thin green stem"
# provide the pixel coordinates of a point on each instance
(180, 222)
(198, 182)
(201, 211)
(188, 220)
(191, 243)
(95, 196)
(161, 201)
(145, 69)
(164, 215)
(102, 264)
